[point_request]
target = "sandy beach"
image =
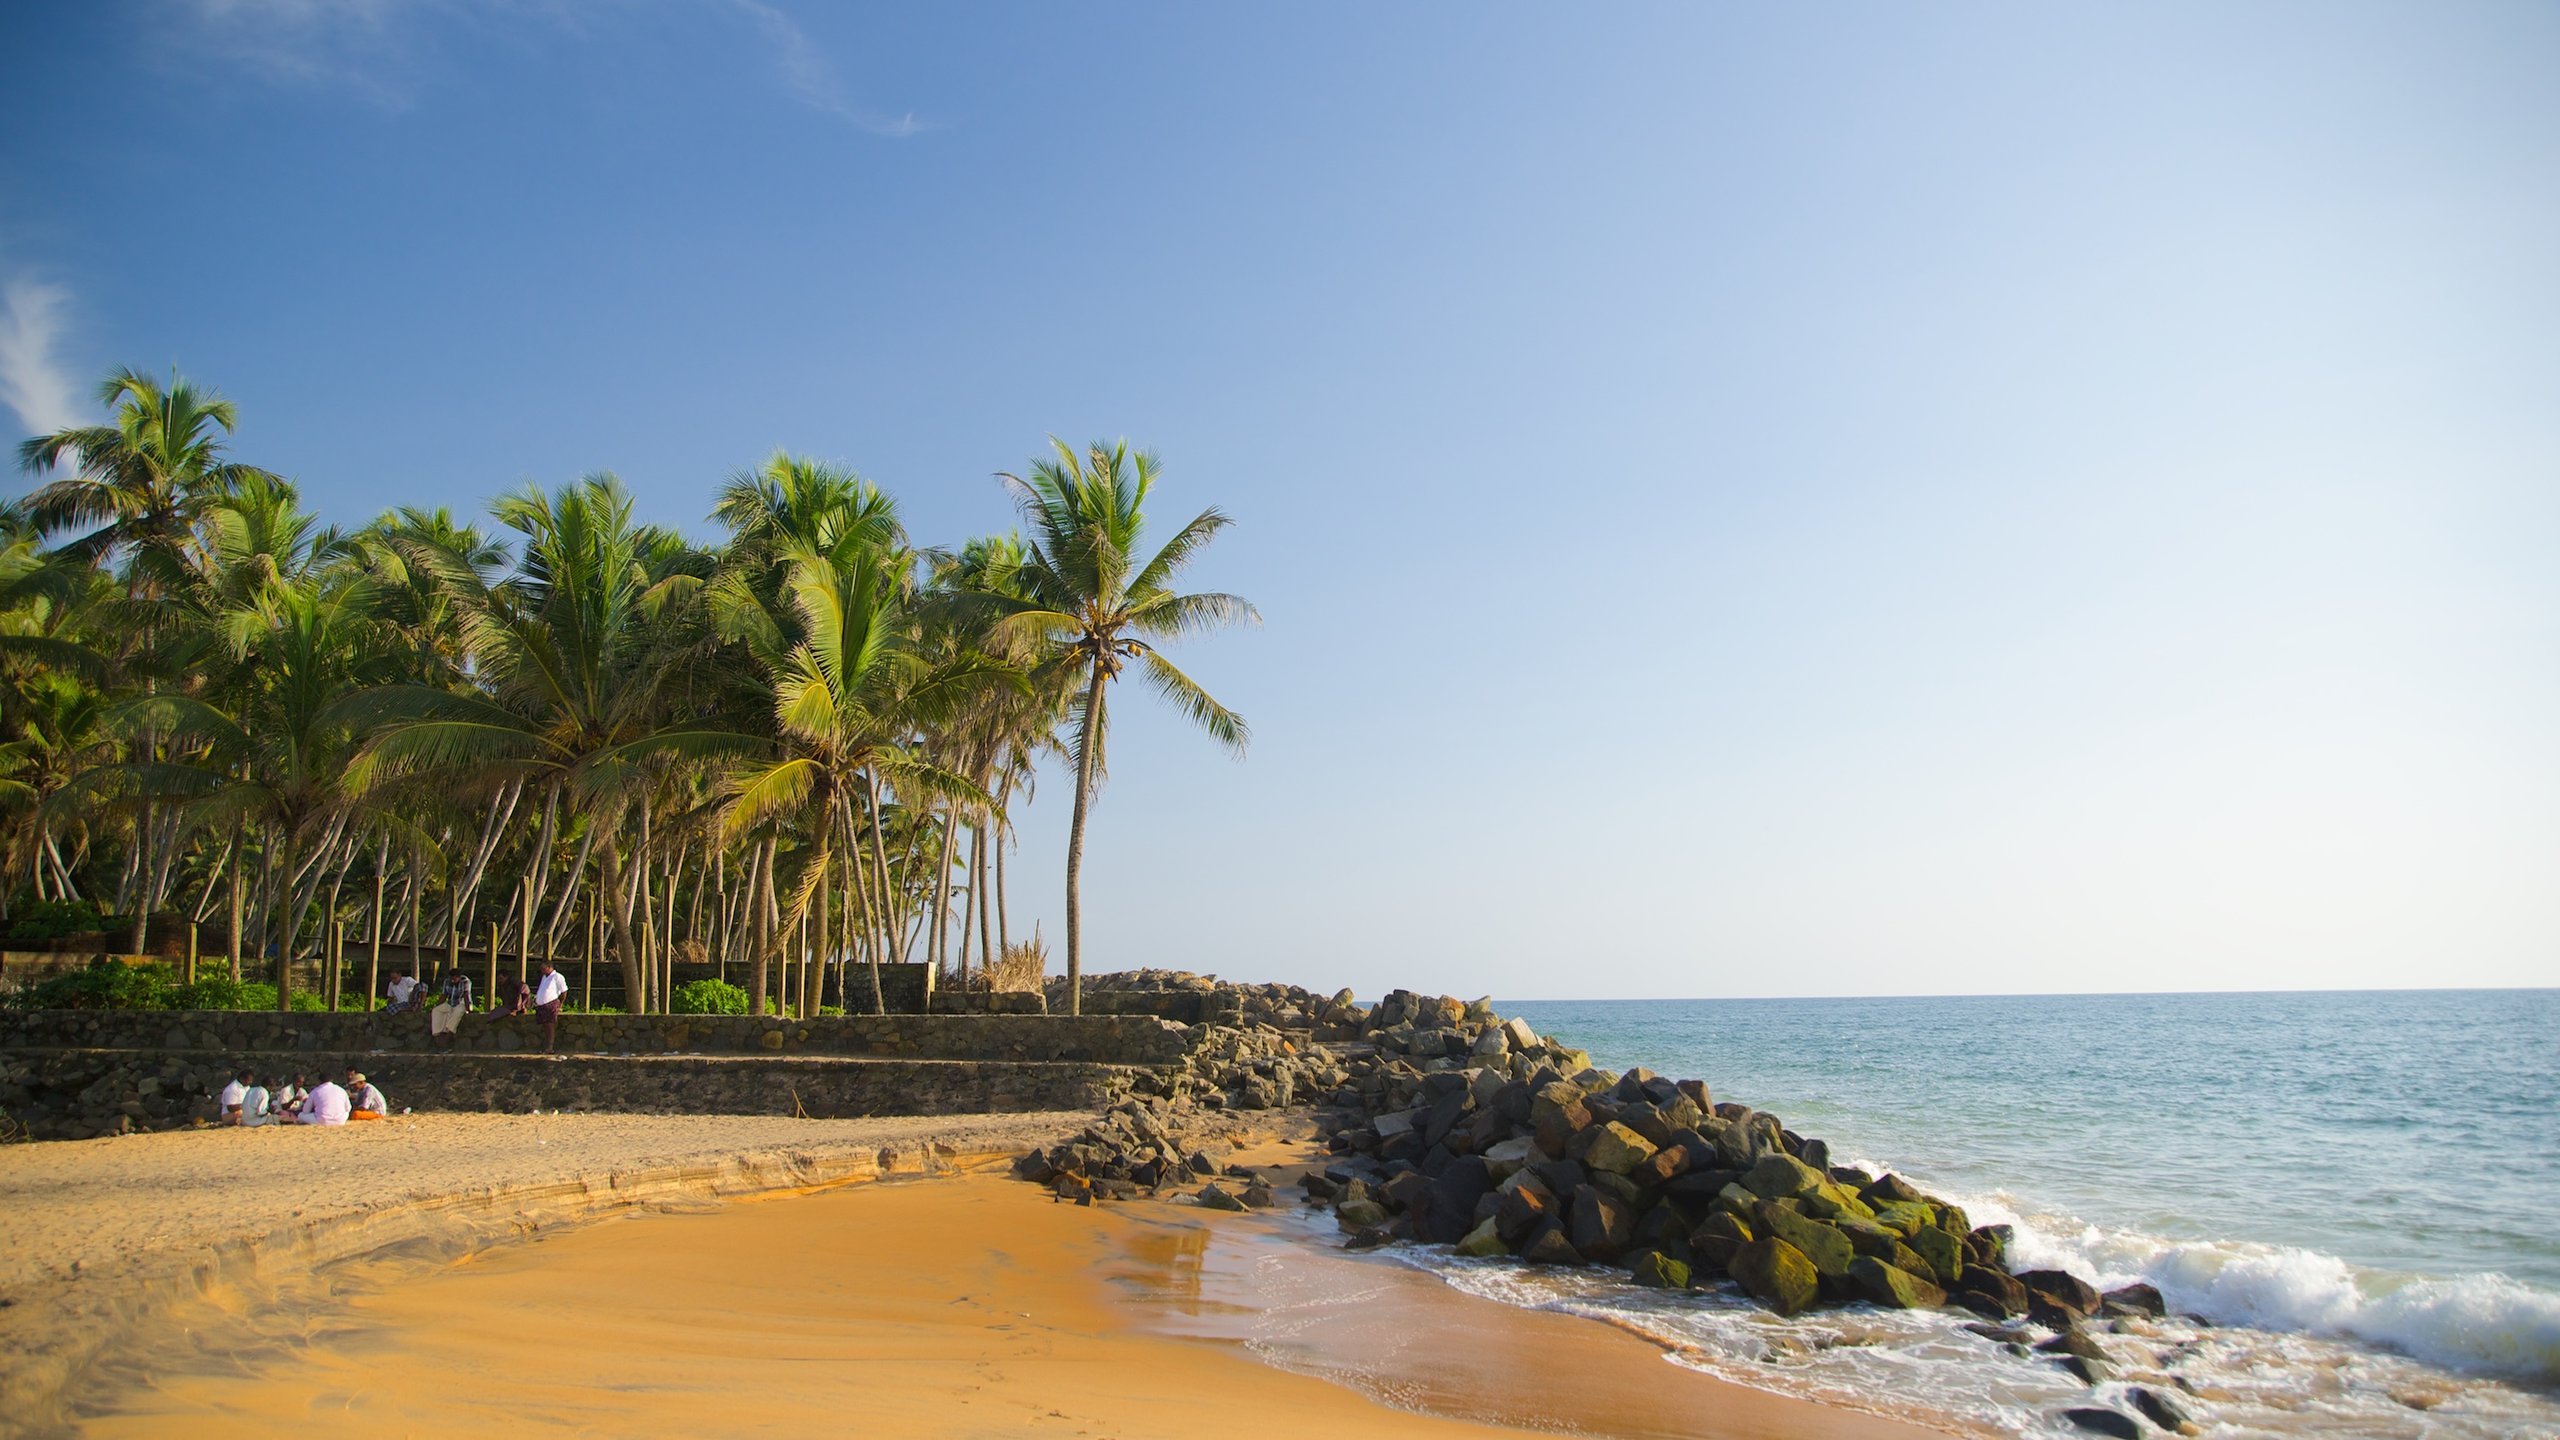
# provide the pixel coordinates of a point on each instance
(959, 1306)
(140, 1233)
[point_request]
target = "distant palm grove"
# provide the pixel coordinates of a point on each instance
(794, 752)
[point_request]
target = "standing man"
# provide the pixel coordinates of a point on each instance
(549, 993)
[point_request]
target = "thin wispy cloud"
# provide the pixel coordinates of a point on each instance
(376, 49)
(34, 381)
(811, 77)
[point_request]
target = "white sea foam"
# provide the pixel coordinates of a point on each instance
(2478, 1324)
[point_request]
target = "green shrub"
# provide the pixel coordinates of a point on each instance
(710, 997)
(215, 992)
(110, 986)
(32, 919)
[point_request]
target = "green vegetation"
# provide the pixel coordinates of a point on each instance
(709, 997)
(797, 749)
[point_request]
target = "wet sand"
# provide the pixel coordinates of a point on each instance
(954, 1307)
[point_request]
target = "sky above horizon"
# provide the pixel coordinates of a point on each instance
(1890, 500)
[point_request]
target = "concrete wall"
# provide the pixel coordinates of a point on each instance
(1098, 1039)
(77, 1094)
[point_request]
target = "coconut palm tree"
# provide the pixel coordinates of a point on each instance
(1085, 607)
(581, 655)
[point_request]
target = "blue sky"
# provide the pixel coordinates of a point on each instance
(1891, 500)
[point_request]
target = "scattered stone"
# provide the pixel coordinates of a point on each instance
(2112, 1423)
(2163, 1411)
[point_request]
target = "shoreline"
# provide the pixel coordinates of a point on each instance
(962, 1307)
(118, 1242)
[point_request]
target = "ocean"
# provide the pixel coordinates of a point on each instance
(2360, 1191)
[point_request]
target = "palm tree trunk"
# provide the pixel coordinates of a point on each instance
(870, 911)
(616, 900)
(239, 895)
(939, 946)
(1075, 837)
(373, 956)
(752, 922)
(987, 956)
(1004, 840)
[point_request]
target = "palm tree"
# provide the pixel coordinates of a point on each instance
(579, 657)
(1087, 609)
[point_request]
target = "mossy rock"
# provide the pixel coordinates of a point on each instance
(1483, 1242)
(1718, 1239)
(1616, 1150)
(1893, 1288)
(1659, 1271)
(1869, 1238)
(1357, 1215)
(1777, 1275)
(1780, 1177)
(1907, 1216)
(1943, 1251)
(1819, 1243)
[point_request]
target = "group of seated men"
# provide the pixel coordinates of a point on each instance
(246, 1102)
(542, 999)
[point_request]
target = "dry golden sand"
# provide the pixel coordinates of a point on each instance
(108, 1236)
(956, 1307)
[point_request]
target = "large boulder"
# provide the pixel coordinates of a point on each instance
(1659, 1271)
(2136, 1299)
(1557, 1114)
(1943, 1251)
(1778, 1176)
(1717, 1240)
(1617, 1150)
(1601, 1227)
(1906, 1216)
(1819, 1243)
(2057, 1299)
(1776, 1274)
(1525, 1204)
(1359, 1215)
(1506, 1156)
(1892, 1288)
(1549, 1247)
(1483, 1242)
(1992, 1294)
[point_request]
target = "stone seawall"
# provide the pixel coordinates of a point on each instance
(1093, 1039)
(175, 1088)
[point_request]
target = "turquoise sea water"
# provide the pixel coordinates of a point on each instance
(2364, 1185)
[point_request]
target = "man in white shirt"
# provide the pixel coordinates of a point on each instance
(326, 1104)
(244, 1101)
(549, 993)
(403, 992)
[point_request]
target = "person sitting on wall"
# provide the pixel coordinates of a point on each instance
(244, 1101)
(446, 1018)
(403, 992)
(549, 993)
(514, 998)
(325, 1105)
(364, 1100)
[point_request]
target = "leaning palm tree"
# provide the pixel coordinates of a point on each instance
(1081, 605)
